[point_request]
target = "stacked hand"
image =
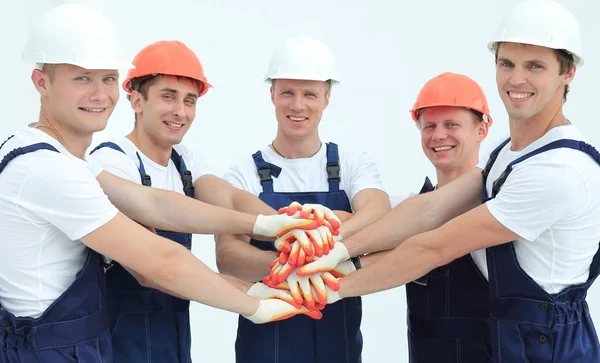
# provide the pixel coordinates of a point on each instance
(310, 259)
(276, 305)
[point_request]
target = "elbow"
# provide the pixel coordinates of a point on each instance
(167, 270)
(223, 265)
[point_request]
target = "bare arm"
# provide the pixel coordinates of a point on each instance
(237, 257)
(419, 214)
(172, 211)
(167, 264)
(369, 205)
(420, 254)
(216, 191)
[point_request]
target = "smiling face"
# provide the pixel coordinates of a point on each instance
(80, 100)
(299, 106)
(450, 136)
(529, 79)
(169, 109)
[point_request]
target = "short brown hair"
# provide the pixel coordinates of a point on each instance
(49, 70)
(565, 62)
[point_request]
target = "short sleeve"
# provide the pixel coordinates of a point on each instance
(65, 193)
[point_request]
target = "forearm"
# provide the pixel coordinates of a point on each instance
(415, 215)
(217, 191)
(372, 257)
(242, 260)
(363, 217)
(390, 269)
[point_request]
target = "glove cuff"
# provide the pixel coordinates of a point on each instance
(260, 226)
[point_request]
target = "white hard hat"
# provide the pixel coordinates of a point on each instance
(545, 23)
(303, 58)
(74, 34)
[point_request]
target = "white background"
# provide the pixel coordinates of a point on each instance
(386, 51)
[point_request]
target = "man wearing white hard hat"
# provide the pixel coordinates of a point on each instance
(164, 89)
(297, 167)
(59, 213)
(528, 214)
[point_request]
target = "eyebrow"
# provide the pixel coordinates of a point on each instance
(530, 61)
(167, 89)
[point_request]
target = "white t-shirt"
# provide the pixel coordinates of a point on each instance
(552, 201)
(48, 200)
(126, 165)
(358, 172)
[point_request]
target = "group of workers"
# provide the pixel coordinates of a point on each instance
(95, 261)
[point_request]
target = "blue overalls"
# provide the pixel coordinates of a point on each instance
(148, 325)
(74, 328)
(527, 323)
(336, 338)
(447, 313)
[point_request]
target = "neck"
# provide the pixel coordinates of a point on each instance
(445, 176)
(294, 148)
(74, 143)
(155, 151)
(524, 132)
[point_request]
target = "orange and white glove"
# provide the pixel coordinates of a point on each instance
(317, 212)
(299, 244)
(271, 310)
(263, 292)
(314, 292)
(329, 262)
(279, 224)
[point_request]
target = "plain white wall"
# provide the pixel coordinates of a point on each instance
(386, 51)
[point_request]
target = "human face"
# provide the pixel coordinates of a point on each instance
(80, 100)
(168, 112)
(450, 137)
(299, 106)
(528, 79)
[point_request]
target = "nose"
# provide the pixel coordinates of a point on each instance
(297, 104)
(179, 109)
(517, 77)
(439, 133)
(99, 91)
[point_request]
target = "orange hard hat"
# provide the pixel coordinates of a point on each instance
(167, 57)
(452, 89)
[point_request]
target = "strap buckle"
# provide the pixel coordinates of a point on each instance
(333, 171)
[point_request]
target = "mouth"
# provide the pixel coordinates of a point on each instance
(173, 125)
(519, 96)
(442, 148)
(297, 118)
(95, 110)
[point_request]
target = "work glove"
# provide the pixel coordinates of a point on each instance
(279, 224)
(328, 262)
(271, 310)
(314, 242)
(263, 292)
(317, 212)
(314, 292)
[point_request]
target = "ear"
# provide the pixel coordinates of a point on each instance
(569, 75)
(482, 130)
(41, 81)
(327, 96)
(272, 95)
(135, 99)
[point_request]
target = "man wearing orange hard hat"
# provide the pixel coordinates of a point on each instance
(150, 325)
(447, 308)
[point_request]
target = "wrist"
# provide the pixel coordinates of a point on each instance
(356, 262)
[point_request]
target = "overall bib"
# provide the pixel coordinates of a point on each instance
(527, 323)
(336, 338)
(74, 328)
(447, 313)
(148, 325)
